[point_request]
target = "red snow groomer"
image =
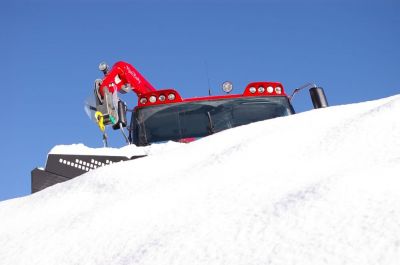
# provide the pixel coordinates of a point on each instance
(163, 115)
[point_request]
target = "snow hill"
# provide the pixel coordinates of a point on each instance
(320, 187)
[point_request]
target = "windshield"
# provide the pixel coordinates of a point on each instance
(202, 118)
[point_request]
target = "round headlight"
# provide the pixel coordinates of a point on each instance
(278, 90)
(142, 101)
(153, 99)
(270, 89)
(252, 90)
(161, 98)
(261, 89)
(227, 86)
(171, 96)
(103, 66)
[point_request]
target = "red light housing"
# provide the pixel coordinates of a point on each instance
(263, 89)
(164, 96)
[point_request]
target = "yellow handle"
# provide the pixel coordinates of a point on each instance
(100, 120)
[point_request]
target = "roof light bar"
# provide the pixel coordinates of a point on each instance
(264, 89)
(164, 96)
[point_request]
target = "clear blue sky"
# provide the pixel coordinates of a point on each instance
(50, 51)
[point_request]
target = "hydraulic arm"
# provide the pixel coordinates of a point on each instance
(110, 110)
(122, 77)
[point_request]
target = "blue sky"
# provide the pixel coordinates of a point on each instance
(50, 51)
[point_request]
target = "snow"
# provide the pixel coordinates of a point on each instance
(320, 187)
(128, 151)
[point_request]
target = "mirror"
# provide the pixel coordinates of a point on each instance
(318, 97)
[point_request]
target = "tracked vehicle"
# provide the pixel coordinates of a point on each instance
(163, 115)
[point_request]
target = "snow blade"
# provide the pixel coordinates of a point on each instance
(60, 168)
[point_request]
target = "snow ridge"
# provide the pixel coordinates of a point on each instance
(320, 187)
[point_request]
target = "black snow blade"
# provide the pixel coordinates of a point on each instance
(60, 168)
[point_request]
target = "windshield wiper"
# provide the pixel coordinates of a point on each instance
(210, 123)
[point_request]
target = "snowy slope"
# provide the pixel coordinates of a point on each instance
(321, 187)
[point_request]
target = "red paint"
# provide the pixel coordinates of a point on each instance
(187, 140)
(125, 74)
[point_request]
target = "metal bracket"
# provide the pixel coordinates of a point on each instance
(301, 88)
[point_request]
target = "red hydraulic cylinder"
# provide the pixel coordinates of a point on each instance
(123, 75)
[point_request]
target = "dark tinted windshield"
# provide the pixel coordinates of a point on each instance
(202, 118)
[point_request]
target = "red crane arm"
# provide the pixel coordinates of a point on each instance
(122, 76)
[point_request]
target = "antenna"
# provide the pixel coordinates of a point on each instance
(208, 78)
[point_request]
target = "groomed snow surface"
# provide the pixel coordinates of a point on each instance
(320, 187)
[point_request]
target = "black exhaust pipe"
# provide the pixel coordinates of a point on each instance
(318, 97)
